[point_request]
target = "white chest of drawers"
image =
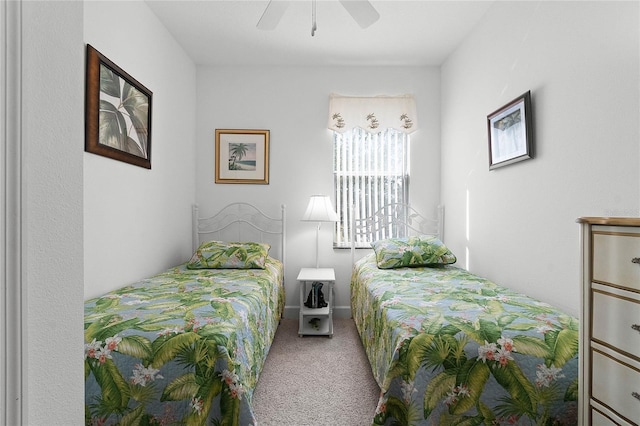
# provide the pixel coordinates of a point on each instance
(610, 322)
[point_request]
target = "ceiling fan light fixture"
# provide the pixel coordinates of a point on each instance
(360, 10)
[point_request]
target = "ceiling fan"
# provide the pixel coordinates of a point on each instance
(361, 10)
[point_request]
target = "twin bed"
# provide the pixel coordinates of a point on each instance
(450, 348)
(446, 347)
(186, 346)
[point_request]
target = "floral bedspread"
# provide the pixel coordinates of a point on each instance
(450, 348)
(184, 347)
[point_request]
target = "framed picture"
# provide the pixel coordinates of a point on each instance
(510, 132)
(118, 113)
(242, 156)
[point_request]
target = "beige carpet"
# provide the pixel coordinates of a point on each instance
(315, 380)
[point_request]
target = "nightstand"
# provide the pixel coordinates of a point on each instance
(316, 321)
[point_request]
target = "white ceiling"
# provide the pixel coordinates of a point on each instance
(408, 33)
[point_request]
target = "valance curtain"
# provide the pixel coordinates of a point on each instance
(373, 114)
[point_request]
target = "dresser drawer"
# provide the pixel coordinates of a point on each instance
(616, 385)
(606, 419)
(616, 321)
(599, 419)
(612, 259)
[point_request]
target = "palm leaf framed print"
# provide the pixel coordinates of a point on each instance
(118, 112)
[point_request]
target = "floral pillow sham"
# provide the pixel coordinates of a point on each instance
(229, 255)
(422, 250)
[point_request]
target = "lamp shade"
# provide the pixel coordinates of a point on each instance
(320, 209)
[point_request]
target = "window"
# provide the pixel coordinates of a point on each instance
(370, 171)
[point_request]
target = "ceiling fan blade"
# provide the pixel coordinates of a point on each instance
(362, 11)
(272, 14)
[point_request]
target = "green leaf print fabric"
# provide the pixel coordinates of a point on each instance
(184, 347)
(421, 250)
(226, 255)
(451, 348)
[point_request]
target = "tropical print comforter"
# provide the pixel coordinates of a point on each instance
(184, 347)
(450, 348)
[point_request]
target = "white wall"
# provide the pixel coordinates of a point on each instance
(516, 225)
(138, 222)
(136, 219)
(293, 104)
(52, 139)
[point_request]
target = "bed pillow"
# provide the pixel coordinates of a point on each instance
(423, 250)
(229, 255)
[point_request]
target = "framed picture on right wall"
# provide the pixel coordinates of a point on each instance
(510, 130)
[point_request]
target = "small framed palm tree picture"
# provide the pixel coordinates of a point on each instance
(242, 156)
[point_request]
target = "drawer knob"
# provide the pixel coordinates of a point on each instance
(635, 260)
(636, 327)
(636, 395)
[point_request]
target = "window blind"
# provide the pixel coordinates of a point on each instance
(371, 170)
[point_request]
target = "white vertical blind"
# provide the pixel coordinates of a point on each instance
(370, 171)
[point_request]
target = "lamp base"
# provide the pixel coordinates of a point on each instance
(318, 245)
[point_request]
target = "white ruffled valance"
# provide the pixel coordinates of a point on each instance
(373, 114)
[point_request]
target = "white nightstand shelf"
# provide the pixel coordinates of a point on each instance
(316, 321)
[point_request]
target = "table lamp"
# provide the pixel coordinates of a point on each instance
(319, 210)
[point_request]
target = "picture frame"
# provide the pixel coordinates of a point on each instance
(510, 132)
(242, 156)
(117, 112)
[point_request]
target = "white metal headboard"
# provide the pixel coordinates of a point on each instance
(394, 219)
(242, 222)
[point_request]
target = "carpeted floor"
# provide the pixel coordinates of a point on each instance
(315, 380)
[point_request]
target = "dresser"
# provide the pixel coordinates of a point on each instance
(610, 321)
